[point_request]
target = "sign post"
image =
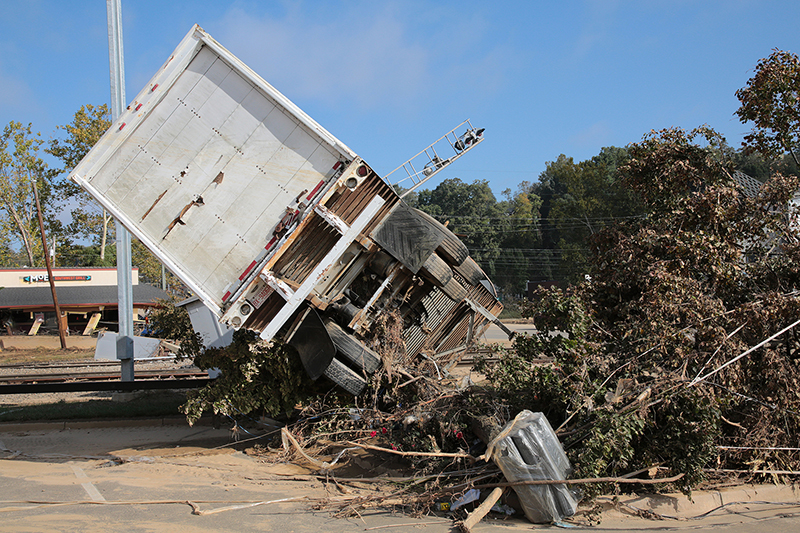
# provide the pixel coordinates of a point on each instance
(124, 281)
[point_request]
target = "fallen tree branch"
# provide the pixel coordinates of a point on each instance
(483, 473)
(409, 382)
(760, 472)
(411, 524)
(757, 346)
(324, 467)
(197, 511)
(413, 454)
(584, 481)
(194, 504)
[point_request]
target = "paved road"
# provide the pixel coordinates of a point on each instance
(101, 479)
(495, 334)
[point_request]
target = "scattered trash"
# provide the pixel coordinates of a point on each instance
(502, 509)
(470, 496)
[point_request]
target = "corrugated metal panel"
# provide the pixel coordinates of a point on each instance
(347, 204)
(263, 315)
(437, 306)
(454, 333)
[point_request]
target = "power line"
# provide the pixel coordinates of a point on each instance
(510, 217)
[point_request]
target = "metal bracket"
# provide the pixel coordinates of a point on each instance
(331, 218)
(491, 318)
(280, 287)
(386, 283)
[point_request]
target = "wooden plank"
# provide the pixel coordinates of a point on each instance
(93, 321)
(37, 323)
(482, 510)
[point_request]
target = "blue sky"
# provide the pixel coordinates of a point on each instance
(389, 77)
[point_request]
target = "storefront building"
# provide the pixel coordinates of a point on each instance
(87, 298)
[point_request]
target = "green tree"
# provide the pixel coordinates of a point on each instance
(89, 219)
(771, 100)
(578, 200)
(520, 243)
(151, 269)
(21, 169)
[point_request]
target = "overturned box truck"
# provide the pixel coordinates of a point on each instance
(279, 227)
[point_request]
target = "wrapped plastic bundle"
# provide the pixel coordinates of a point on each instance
(527, 449)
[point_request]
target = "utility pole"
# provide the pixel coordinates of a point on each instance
(61, 333)
(124, 267)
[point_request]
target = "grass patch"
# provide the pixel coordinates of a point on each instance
(510, 311)
(10, 356)
(142, 405)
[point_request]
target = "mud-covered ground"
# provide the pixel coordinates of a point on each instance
(172, 477)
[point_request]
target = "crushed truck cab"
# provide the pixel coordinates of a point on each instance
(279, 227)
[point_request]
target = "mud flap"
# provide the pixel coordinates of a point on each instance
(317, 351)
(312, 342)
(408, 237)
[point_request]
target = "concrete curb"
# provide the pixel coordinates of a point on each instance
(681, 507)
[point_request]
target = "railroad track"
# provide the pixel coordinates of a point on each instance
(85, 363)
(100, 376)
(75, 376)
(60, 364)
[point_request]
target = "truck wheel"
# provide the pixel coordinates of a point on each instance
(436, 269)
(343, 376)
(352, 349)
(451, 248)
(454, 290)
(471, 271)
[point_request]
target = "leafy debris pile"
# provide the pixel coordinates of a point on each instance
(678, 354)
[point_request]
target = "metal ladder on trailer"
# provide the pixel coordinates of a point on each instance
(438, 155)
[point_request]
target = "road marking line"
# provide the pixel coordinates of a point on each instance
(90, 489)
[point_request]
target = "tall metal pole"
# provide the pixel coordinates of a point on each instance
(124, 266)
(61, 333)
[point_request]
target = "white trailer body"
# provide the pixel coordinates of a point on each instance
(204, 163)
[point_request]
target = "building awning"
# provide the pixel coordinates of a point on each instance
(70, 298)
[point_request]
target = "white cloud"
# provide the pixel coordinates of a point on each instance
(397, 56)
(367, 58)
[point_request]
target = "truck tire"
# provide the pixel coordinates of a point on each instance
(437, 270)
(454, 290)
(353, 350)
(346, 378)
(451, 248)
(470, 270)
